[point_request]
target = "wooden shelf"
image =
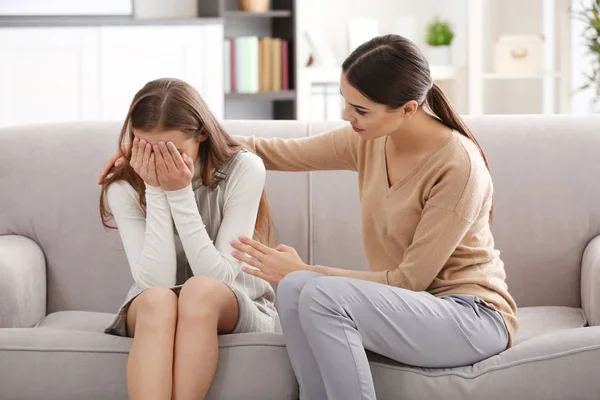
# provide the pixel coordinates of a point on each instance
(268, 14)
(269, 96)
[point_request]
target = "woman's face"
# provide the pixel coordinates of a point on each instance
(370, 120)
(183, 141)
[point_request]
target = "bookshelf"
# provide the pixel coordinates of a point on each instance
(279, 22)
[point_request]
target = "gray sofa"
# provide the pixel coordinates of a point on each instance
(62, 275)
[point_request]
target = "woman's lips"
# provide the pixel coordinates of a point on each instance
(356, 129)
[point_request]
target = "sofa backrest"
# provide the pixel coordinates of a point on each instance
(48, 192)
(546, 172)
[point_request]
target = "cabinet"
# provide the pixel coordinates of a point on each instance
(48, 75)
(56, 74)
(547, 91)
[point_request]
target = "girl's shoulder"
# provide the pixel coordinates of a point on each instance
(120, 190)
(244, 163)
(120, 195)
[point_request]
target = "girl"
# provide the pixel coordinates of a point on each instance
(435, 295)
(186, 186)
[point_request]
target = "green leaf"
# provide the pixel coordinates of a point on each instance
(439, 33)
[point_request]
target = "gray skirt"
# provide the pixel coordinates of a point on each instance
(254, 315)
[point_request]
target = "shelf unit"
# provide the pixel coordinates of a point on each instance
(279, 22)
(553, 82)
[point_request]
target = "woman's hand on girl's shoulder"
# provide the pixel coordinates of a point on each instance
(115, 160)
(174, 170)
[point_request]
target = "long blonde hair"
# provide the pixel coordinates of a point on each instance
(172, 104)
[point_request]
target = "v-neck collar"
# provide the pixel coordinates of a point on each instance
(389, 189)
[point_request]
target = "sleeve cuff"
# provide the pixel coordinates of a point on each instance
(153, 189)
(185, 192)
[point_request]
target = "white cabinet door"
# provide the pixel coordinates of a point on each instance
(48, 75)
(133, 56)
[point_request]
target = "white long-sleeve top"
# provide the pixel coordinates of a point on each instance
(150, 241)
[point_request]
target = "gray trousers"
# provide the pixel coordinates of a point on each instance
(328, 322)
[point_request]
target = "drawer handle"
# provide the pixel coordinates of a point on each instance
(519, 53)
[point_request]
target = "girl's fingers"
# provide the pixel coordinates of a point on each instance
(161, 168)
(140, 152)
(151, 165)
(177, 160)
(146, 157)
(169, 163)
(134, 151)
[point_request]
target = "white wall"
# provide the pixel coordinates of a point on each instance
(331, 17)
(165, 8)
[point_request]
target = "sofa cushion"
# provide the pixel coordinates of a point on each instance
(555, 358)
(77, 320)
(537, 321)
(92, 364)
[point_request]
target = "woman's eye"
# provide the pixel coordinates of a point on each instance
(360, 112)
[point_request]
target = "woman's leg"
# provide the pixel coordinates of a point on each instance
(151, 320)
(301, 356)
(342, 317)
(207, 307)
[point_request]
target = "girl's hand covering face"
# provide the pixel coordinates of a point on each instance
(174, 170)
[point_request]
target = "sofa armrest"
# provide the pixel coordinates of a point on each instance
(590, 282)
(22, 282)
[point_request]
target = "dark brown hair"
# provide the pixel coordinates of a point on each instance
(172, 104)
(391, 70)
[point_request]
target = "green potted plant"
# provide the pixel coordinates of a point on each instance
(590, 16)
(439, 39)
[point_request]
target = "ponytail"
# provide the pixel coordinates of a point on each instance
(443, 109)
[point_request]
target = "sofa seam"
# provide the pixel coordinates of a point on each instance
(491, 369)
(310, 207)
(77, 350)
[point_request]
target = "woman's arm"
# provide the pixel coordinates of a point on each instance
(333, 150)
(242, 197)
(148, 239)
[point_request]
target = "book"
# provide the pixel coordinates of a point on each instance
(262, 64)
(240, 55)
(227, 65)
(285, 78)
(276, 63)
(252, 61)
(231, 72)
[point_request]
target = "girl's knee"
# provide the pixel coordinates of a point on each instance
(156, 307)
(202, 297)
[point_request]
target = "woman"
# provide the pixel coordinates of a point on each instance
(187, 185)
(435, 295)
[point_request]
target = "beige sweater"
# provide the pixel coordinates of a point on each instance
(429, 231)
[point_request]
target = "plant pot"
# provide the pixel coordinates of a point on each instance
(254, 5)
(439, 55)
